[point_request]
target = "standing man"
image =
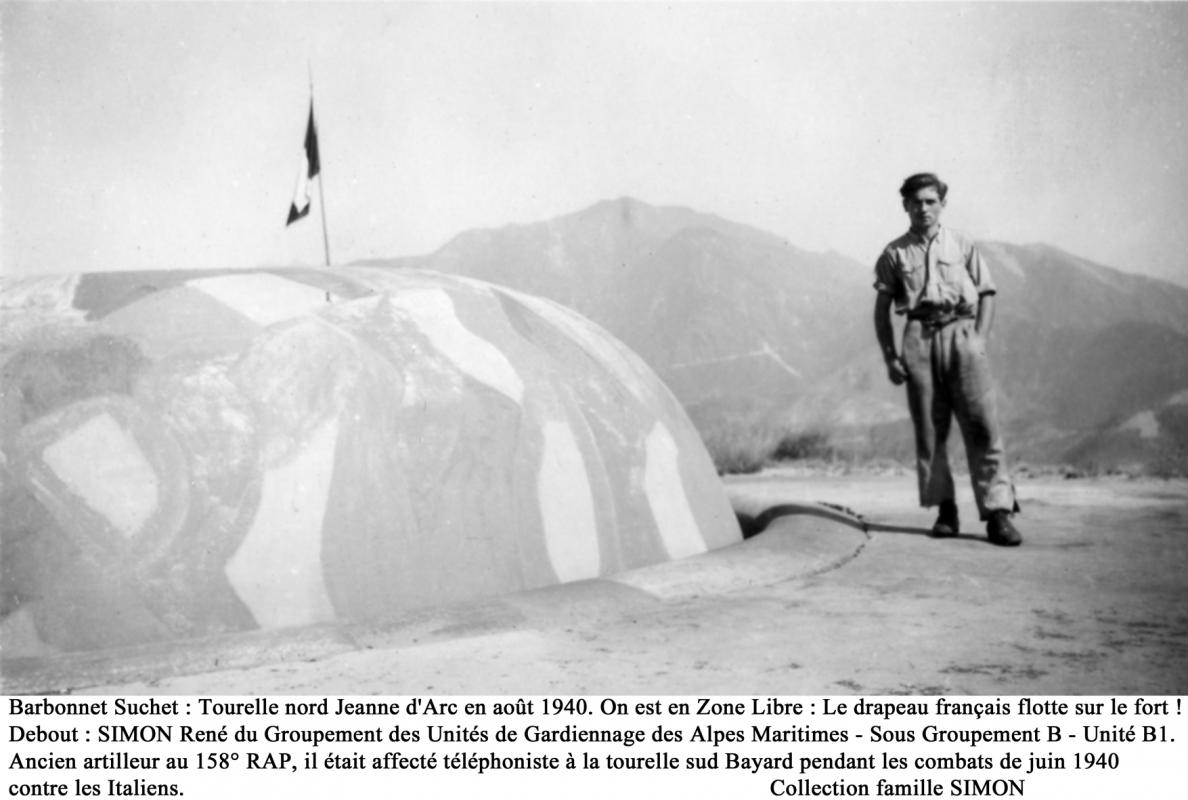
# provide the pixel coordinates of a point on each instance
(936, 277)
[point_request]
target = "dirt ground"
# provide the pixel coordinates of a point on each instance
(1094, 602)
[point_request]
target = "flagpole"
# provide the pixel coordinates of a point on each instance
(321, 174)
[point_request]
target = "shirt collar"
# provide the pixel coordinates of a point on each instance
(921, 239)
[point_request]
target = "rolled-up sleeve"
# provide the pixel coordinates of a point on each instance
(979, 272)
(886, 281)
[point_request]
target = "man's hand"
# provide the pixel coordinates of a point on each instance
(896, 371)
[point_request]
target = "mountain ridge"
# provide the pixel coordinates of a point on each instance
(749, 329)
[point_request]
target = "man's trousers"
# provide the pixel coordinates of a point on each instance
(949, 375)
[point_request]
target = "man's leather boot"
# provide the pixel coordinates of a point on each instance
(946, 522)
(1001, 531)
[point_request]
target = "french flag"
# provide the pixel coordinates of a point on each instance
(308, 170)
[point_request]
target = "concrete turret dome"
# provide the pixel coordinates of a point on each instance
(195, 453)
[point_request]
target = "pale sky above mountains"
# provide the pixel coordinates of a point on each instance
(162, 135)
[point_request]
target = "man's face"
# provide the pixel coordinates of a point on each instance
(924, 207)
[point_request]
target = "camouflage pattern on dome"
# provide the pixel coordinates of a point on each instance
(194, 453)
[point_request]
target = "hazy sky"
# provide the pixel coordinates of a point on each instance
(151, 135)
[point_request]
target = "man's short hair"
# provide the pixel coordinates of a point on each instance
(923, 180)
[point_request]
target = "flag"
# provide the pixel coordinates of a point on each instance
(306, 172)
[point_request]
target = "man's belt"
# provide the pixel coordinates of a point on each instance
(933, 319)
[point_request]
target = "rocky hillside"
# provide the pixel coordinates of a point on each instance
(753, 333)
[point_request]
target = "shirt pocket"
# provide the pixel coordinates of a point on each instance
(913, 274)
(958, 285)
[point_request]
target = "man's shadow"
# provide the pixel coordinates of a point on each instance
(754, 524)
